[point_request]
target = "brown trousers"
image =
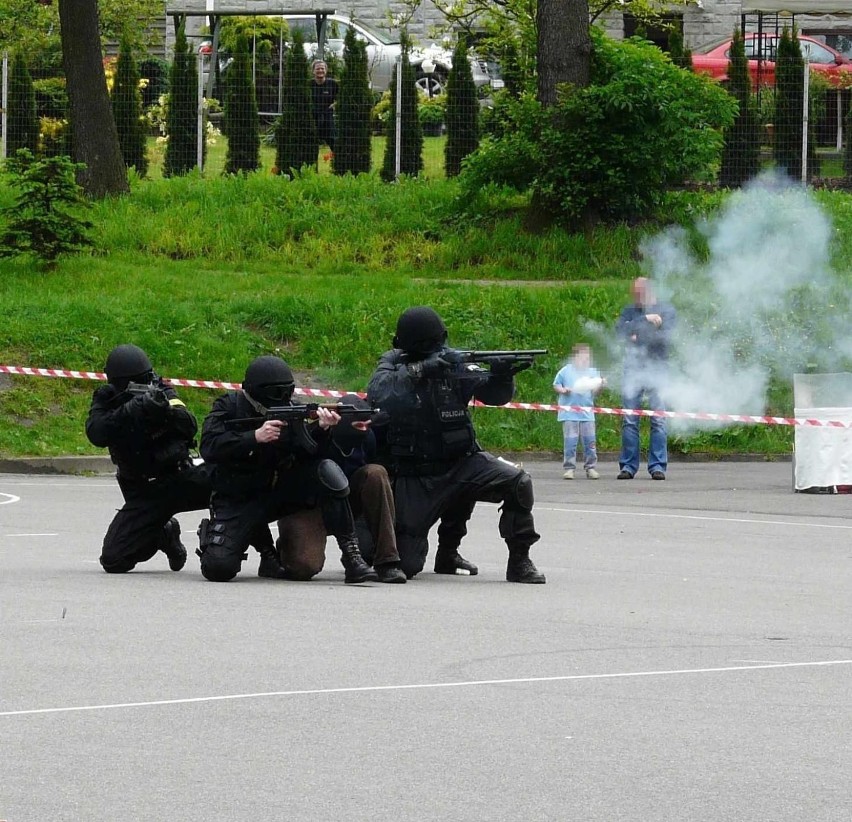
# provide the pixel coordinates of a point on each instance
(302, 536)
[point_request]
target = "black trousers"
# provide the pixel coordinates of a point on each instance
(136, 532)
(237, 521)
(422, 500)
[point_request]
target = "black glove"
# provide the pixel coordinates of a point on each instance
(435, 366)
(155, 406)
(508, 368)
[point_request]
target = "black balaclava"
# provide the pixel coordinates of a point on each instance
(344, 434)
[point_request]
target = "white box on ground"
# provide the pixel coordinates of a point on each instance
(822, 455)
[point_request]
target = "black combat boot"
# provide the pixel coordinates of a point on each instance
(350, 556)
(171, 545)
(521, 568)
(450, 561)
(270, 565)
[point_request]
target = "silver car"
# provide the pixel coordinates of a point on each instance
(432, 63)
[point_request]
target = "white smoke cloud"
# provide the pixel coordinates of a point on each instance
(758, 300)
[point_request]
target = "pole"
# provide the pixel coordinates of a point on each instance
(398, 135)
(805, 118)
(4, 106)
(839, 145)
(200, 112)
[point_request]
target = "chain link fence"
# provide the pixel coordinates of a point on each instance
(259, 109)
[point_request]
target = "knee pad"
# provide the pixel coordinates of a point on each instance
(332, 479)
(522, 493)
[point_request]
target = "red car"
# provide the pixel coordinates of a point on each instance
(714, 58)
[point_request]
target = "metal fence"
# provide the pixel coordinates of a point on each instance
(814, 135)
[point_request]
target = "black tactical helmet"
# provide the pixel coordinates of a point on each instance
(128, 363)
(269, 381)
(419, 330)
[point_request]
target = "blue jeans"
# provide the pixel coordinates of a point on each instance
(572, 432)
(658, 456)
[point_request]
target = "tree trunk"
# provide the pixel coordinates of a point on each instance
(95, 137)
(564, 46)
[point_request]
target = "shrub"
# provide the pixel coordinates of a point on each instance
(295, 131)
(181, 123)
(353, 150)
(411, 149)
(43, 219)
(127, 110)
(611, 149)
(23, 125)
(51, 98)
(741, 155)
(240, 124)
(155, 76)
(789, 102)
(462, 112)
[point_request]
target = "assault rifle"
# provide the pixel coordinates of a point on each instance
(139, 389)
(516, 360)
(297, 420)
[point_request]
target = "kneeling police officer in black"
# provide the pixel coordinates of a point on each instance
(263, 473)
(440, 471)
(149, 433)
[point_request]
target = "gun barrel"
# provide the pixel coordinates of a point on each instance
(493, 355)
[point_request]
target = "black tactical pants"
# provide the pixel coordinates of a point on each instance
(235, 521)
(422, 500)
(136, 532)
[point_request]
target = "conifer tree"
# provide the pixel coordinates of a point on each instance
(182, 118)
(352, 151)
(411, 155)
(241, 125)
(680, 56)
(789, 103)
(23, 122)
(295, 131)
(741, 152)
(462, 115)
(126, 99)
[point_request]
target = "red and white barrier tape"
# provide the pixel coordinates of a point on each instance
(522, 406)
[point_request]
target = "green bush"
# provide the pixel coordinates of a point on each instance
(789, 102)
(741, 155)
(155, 74)
(127, 110)
(353, 149)
(411, 149)
(23, 125)
(51, 98)
(43, 221)
(181, 123)
(612, 149)
(462, 112)
(295, 131)
(241, 125)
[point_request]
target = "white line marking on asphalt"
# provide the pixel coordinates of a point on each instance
(31, 535)
(11, 498)
(657, 515)
(422, 686)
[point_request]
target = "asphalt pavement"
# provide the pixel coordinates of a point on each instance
(690, 658)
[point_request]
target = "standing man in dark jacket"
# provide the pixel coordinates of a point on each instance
(439, 469)
(645, 329)
(323, 100)
(261, 472)
(149, 433)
